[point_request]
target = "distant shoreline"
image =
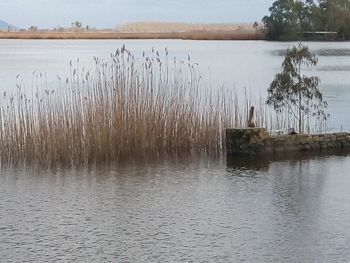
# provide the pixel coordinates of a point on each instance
(189, 35)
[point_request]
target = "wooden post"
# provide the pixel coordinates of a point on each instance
(251, 123)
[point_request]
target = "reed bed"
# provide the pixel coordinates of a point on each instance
(125, 108)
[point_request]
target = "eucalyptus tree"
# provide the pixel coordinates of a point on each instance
(295, 93)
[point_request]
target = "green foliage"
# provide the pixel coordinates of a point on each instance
(78, 24)
(288, 19)
(294, 93)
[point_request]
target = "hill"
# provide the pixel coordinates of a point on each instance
(5, 26)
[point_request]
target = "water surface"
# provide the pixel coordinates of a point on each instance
(198, 211)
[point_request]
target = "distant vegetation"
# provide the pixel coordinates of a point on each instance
(158, 27)
(141, 30)
(290, 19)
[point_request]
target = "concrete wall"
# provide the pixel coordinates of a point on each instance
(254, 141)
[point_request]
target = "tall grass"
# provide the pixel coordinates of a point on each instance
(125, 108)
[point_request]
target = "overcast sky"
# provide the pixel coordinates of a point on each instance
(109, 13)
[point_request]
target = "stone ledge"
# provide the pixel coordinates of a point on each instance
(255, 141)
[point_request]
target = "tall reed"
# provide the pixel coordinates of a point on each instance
(125, 108)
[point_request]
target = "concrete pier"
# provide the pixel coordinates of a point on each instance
(257, 141)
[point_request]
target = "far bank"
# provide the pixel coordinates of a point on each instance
(191, 35)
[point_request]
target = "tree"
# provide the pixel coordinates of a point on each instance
(288, 19)
(283, 22)
(256, 26)
(33, 28)
(337, 17)
(78, 24)
(294, 93)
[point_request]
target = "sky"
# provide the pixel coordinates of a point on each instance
(110, 13)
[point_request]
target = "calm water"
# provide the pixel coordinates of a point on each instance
(287, 210)
(278, 211)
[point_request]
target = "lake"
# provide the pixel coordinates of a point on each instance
(292, 209)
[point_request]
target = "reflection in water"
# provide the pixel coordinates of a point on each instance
(345, 68)
(324, 52)
(262, 163)
(301, 217)
(333, 52)
(290, 210)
